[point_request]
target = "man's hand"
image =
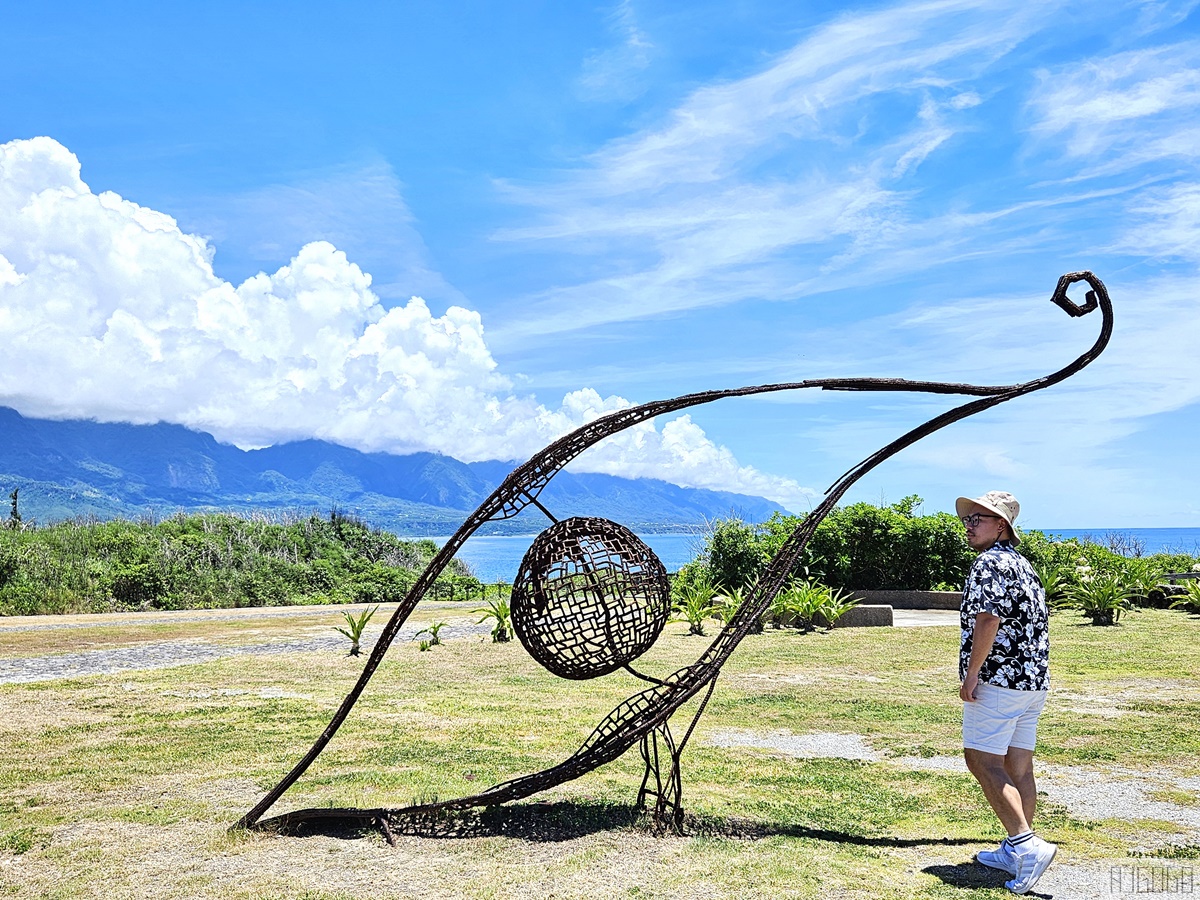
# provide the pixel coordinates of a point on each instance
(967, 689)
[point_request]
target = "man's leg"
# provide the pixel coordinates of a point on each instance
(999, 789)
(1018, 763)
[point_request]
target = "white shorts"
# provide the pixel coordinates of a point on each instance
(1001, 718)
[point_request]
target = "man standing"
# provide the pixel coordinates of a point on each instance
(1004, 673)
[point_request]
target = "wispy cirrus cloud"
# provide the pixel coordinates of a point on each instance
(358, 208)
(1127, 116)
(615, 74)
(1122, 110)
(766, 186)
(1165, 223)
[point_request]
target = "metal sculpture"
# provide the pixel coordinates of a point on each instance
(591, 597)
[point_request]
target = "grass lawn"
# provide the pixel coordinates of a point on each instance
(124, 785)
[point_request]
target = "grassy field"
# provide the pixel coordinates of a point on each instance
(124, 785)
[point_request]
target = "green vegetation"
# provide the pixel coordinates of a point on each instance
(865, 547)
(499, 612)
(1102, 597)
(354, 628)
(694, 600)
(1101, 582)
(1190, 601)
(434, 630)
(857, 547)
(210, 561)
(727, 605)
(125, 786)
(806, 605)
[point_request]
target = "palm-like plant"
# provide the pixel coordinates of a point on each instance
(1140, 577)
(1102, 597)
(835, 605)
(1056, 583)
(498, 611)
(432, 631)
(726, 603)
(694, 602)
(1191, 600)
(777, 613)
(354, 628)
(797, 605)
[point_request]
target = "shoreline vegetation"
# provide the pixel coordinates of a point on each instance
(213, 561)
(230, 560)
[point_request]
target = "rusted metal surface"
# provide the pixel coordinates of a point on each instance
(588, 565)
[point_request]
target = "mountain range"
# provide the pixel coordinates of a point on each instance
(81, 468)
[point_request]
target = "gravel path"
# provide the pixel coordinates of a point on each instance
(165, 654)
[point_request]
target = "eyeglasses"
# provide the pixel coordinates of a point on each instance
(973, 519)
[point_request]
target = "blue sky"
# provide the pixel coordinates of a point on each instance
(219, 214)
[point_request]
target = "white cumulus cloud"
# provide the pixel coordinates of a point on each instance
(108, 310)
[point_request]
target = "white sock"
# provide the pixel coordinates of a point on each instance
(1016, 841)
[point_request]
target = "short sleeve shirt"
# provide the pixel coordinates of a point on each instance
(1003, 583)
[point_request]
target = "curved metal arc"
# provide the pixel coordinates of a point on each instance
(542, 467)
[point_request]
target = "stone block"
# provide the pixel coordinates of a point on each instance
(865, 616)
(911, 599)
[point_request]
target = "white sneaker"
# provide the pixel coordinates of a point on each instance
(1001, 858)
(1032, 859)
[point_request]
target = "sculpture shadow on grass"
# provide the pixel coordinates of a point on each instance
(566, 820)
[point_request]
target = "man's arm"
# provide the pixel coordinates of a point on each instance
(982, 638)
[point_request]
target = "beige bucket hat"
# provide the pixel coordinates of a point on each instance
(1002, 503)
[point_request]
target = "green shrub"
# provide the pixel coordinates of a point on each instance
(205, 561)
(135, 584)
(1102, 597)
(727, 604)
(8, 566)
(857, 547)
(835, 605)
(865, 547)
(807, 605)
(735, 556)
(800, 604)
(1056, 581)
(1067, 567)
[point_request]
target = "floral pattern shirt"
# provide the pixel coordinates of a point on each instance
(1003, 583)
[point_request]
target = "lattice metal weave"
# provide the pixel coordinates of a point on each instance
(589, 598)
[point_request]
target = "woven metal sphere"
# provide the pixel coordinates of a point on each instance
(589, 598)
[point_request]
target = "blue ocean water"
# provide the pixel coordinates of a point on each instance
(1152, 540)
(497, 558)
